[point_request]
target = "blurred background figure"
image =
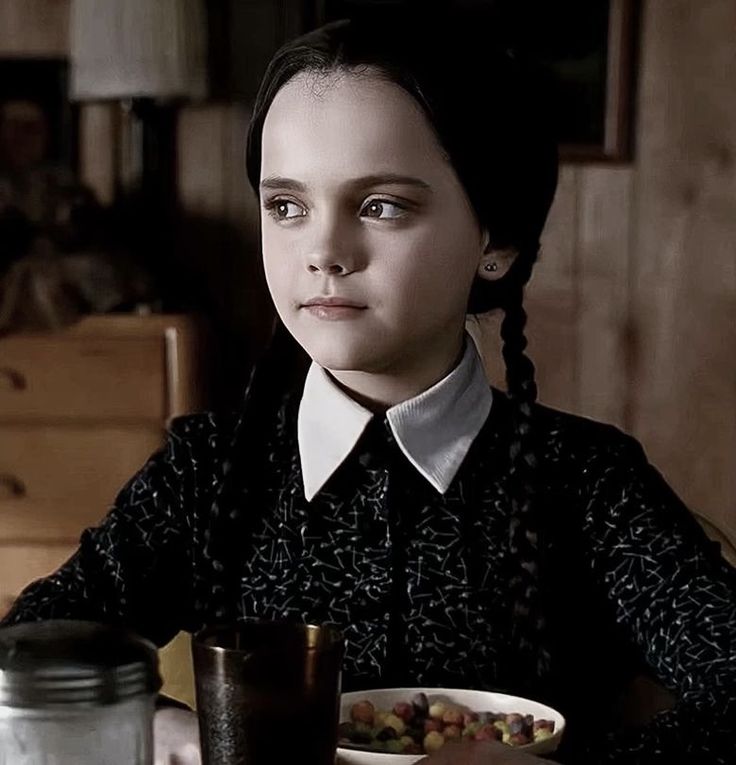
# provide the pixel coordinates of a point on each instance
(57, 258)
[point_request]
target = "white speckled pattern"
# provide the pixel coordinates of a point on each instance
(419, 580)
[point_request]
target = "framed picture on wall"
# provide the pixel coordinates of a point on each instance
(589, 46)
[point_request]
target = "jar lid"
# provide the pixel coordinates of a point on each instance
(64, 661)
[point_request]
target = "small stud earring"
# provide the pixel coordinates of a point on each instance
(491, 266)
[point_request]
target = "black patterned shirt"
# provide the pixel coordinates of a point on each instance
(418, 580)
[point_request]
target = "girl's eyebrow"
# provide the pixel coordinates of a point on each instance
(279, 182)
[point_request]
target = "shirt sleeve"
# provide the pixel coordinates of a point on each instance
(135, 568)
(674, 596)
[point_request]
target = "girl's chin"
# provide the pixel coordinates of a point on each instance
(344, 362)
(347, 357)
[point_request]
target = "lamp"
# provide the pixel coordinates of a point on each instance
(138, 49)
(150, 55)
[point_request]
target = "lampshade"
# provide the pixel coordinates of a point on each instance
(138, 48)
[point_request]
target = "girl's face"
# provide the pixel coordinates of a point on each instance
(358, 204)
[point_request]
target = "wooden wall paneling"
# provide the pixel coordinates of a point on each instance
(242, 204)
(552, 300)
(201, 158)
(202, 172)
(603, 250)
(98, 144)
(221, 236)
(251, 303)
(685, 268)
(34, 28)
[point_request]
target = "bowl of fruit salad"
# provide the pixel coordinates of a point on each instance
(399, 726)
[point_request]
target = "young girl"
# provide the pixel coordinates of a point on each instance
(459, 535)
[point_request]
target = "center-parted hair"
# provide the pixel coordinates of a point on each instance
(489, 111)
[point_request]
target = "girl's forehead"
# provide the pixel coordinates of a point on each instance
(347, 124)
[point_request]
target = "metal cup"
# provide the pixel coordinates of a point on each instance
(268, 692)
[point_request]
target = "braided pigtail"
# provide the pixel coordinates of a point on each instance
(524, 524)
(236, 500)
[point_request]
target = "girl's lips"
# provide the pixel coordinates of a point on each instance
(333, 307)
(333, 300)
(334, 312)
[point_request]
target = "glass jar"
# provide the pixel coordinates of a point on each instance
(76, 693)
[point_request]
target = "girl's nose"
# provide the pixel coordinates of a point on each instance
(333, 252)
(317, 264)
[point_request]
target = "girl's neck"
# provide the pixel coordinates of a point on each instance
(380, 391)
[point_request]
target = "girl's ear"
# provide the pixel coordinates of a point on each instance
(495, 263)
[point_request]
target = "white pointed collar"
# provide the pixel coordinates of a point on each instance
(434, 430)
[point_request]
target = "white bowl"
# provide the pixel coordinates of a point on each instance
(476, 701)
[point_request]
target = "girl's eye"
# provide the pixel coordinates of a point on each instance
(279, 209)
(377, 206)
(381, 209)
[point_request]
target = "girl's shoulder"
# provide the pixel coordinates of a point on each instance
(571, 428)
(208, 431)
(217, 432)
(577, 445)
(565, 437)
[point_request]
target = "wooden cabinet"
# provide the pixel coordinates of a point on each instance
(80, 412)
(46, 377)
